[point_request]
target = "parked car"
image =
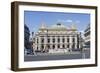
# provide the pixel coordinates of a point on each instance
(28, 51)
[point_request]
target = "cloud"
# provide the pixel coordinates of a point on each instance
(65, 20)
(82, 31)
(69, 20)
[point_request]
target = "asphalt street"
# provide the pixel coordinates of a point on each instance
(81, 55)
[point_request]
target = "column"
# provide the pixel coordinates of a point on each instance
(66, 42)
(51, 42)
(56, 42)
(39, 43)
(70, 39)
(45, 42)
(79, 41)
(75, 42)
(35, 48)
(60, 41)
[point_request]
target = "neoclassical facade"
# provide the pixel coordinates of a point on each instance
(26, 36)
(56, 37)
(87, 37)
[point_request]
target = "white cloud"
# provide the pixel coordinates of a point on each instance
(69, 20)
(65, 20)
(82, 31)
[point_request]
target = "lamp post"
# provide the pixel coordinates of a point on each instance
(47, 42)
(46, 45)
(33, 45)
(82, 50)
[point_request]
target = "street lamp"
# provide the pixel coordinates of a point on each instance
(33, 43)
(82, 50)
(47, 40)
(46, 47)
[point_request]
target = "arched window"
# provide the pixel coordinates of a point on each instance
(63, 46)
(58, 40)
(68, 39)
(53, 40)
(37, 47)
(58, 46)
(42, 46)
(48, 46)
(48, 40)
(73, 46)
(63, 40)
(68, 46)
(42, 40)
(53, 46)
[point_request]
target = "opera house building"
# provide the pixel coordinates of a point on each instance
(57, 38)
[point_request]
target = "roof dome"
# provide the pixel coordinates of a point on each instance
(58, 26)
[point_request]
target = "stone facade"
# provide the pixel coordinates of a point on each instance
(26, 37)
(87, 37)
(56, 37)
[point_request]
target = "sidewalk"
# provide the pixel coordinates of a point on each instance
(44, 54)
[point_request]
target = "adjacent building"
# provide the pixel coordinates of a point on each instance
(26, 36)
(57, 37)
(27, 41)
(87, 37)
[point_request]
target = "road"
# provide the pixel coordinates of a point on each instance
(84, 55)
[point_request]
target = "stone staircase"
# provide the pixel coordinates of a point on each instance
(58, 51)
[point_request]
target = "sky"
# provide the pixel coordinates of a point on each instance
(34, 19)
